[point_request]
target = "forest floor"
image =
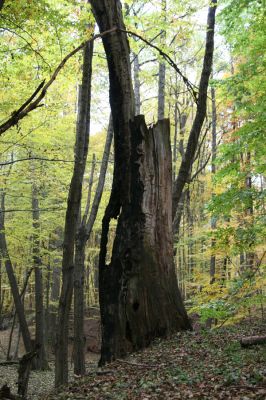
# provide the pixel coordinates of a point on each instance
(204, 364)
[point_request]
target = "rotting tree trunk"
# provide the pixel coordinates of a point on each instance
(187, 161)
(12, 280)
(71, 221)
(139, 296)
(41, 359)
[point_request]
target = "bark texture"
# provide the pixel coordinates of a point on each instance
(214, 149)
(83, 235)
(71, 221)
(12, 280)
(41, 359)
(139, 297)
(162, 69)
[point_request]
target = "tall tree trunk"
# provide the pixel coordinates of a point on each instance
(1, 295)
(83, 235)
(80, 243)
(72, 213)
(139, 297)
(41, 359)
(137, 84)
(190, 247)
(162, 70)
(213, 219)
(187, 161)
(12, 279)
(250, 255)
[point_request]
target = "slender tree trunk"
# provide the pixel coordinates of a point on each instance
(213, 219)
(162, 70)
(187, 162)
(79, 338)
(137, 84)
(175, 140)
(22, 295)
(54, 245)
(41, 358)
(139, 297)
(80, 244)
(1, 4)
(1, 295)
(12, 279)
(190, 238)
(250, 255)
(83, 235)
(72, 214)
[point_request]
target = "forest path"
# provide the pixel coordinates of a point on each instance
(205, 365)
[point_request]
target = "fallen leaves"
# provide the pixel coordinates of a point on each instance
(206, 365)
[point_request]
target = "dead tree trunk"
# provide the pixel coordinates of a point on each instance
(139, 297)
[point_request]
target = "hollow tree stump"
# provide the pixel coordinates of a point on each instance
(139, 296)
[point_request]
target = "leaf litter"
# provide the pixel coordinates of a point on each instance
(207, 365)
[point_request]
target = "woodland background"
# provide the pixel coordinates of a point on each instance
(220, 244)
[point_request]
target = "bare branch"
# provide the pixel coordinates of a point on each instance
(32, 105)
(168, 59)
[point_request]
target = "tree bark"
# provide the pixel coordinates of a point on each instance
(12, 280)
(213, 219)
(187, 161)
(71, 221)
(162, 71)
(252, 340)
(80, 243)
(83, 235)
(24, 372)
(139, 297)
(41, 359)
(137, 84)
